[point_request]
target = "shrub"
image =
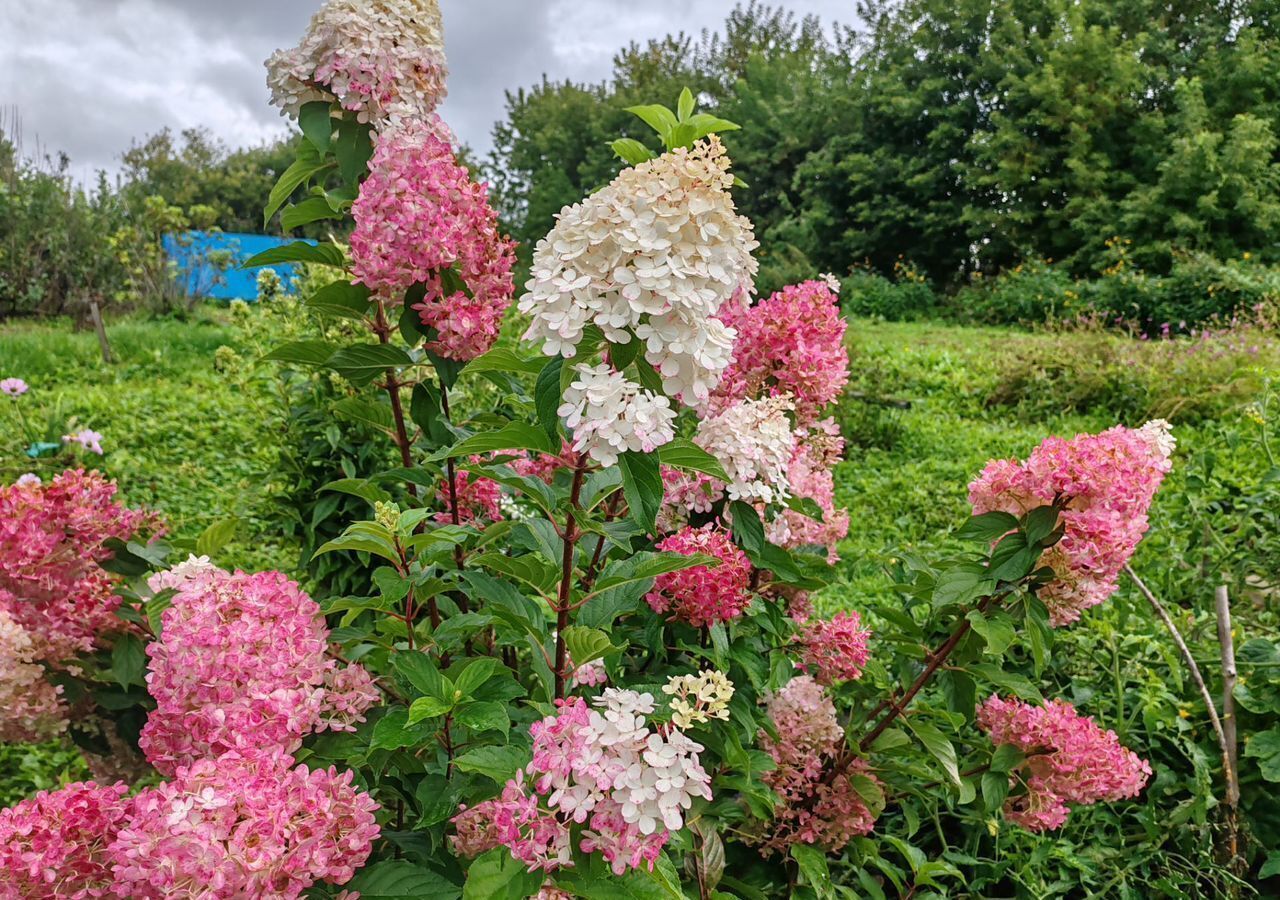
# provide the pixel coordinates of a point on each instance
(905, 297)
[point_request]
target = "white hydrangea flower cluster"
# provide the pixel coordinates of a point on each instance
(699, 698)
(1159, 433)
(752, 439)
(609, 414)
(656, 253)
(382, 59)
(179, 576)
(651, 776)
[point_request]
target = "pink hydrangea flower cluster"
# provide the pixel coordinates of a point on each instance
(1108, 481)
(241, 665)
(55, 844)
(238, 826)
(31, 707)
(791, 344)
(814, 807)
(479, 498)
(1069, 760)
(419, 213)
(601, 767)
(686, 494)
(834, 650)
(703, 595)
(51, 542)
(817, 450)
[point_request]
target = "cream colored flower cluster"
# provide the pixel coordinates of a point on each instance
(652, 256)
(698, 698)
(753, 441)
(382, 59)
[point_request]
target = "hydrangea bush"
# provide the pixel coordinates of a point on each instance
(591, 665)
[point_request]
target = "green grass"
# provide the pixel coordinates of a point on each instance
(179, 436)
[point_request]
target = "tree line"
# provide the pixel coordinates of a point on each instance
(966, 136)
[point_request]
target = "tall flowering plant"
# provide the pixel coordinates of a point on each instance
(594, 663)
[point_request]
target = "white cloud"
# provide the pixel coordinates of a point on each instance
(90, 76)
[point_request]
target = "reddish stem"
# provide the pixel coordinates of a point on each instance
(566, 576)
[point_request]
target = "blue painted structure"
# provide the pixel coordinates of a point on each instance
(190, 251)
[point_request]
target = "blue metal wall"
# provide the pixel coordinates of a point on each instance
(190, 251)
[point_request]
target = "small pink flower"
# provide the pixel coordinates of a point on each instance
(86, 438)
(13, 387)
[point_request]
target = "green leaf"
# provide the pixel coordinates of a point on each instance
(623, 355)
(155, 608)
(363, 537)
(937, 744)
(748, 531)
(996, 628)
(891, 739)
(501, 359)
(393, 731)
(684, 106)
(1271, 866)
(512, 436)
(304, 353)
(631, 151)
(298, 251)
(366, 412)
(353, 148)
(428, 708)
(586, 644)
(362, 363)
(483, 715)
(813, 866)
(216, 536)
(657, 117)
(290, 180)
(987, 527)
(642, 486)
(995, 788)
(1006, 758)
(1012, 682)
(687, 456)
(648, 564)
(960, 584)
(341, 299)
(546, 397)
(1039, 524)
(313, 209)
(1012, 559)
(497, 763)
(421, 672)
(359, 487)
(316, 122)
(398, 878)
(1265, 747)
(476, 673)
(704, 124)
(497, 875)
(128, 660)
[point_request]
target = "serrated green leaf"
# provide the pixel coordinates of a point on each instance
(687, 456)
(305, 353)
(313, 209)
(340, 298)
(631, 151)
(216, 536)
(496, 763)
(394, 879)
(642, 485)
(483, 715)
(316, 121)
(362, 363)
(128, 660)
(298, 251)
(512, 436)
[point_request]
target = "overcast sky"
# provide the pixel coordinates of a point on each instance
(89, 76)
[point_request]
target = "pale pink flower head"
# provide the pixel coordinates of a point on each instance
(31, 708)
(244, 826)
(815, 806)
(30, 479)
(835, 649)
(381, 59)
(703, 595)
(1107, 482)
(241, 665)
(13, 387)
(1069, 760)
(55, 844)
(686, 494)
(86, 438)
(419, 214)
(791, 343)
(810, 474)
